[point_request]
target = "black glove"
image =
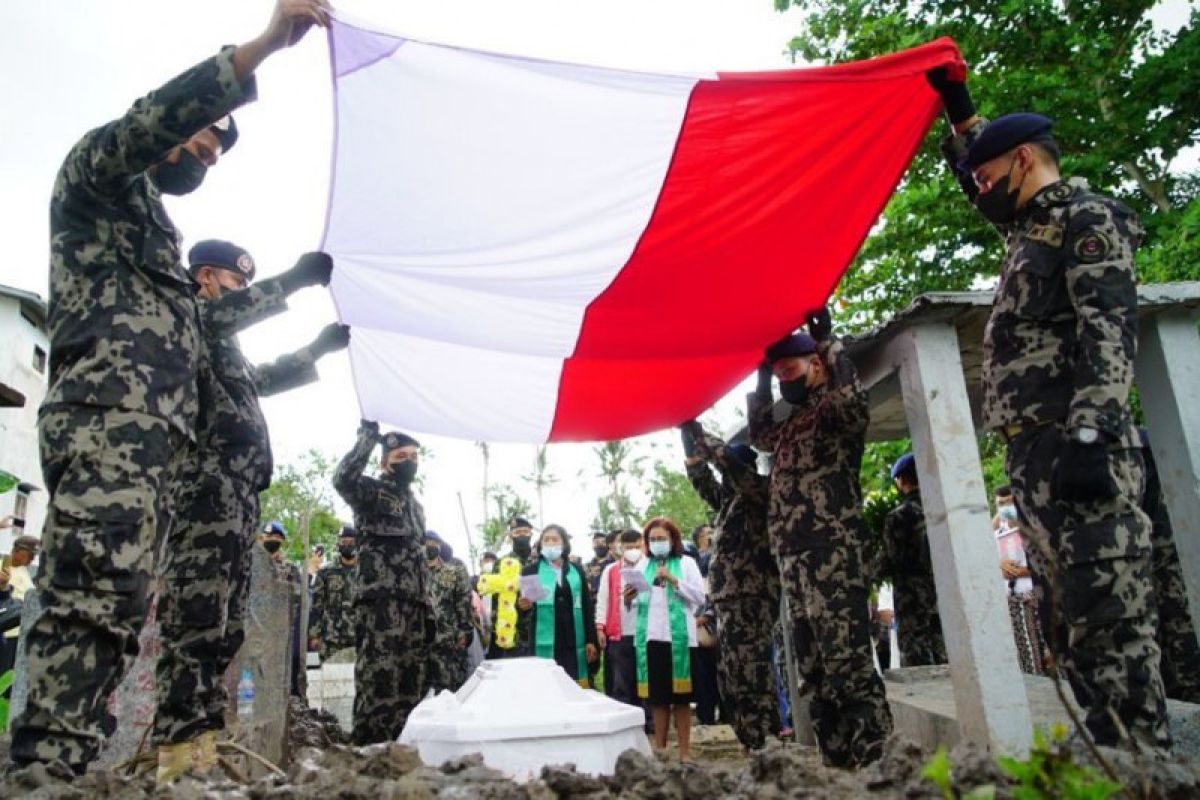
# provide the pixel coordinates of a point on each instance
(951, 85)
(333, 337)
(691, 432)
(820, 326)
(1082, 475)
(763, 387)
(311, 269)
(369, 427)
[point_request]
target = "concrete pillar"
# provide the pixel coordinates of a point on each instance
(1168, 378)
(992, 709)
(802, 727)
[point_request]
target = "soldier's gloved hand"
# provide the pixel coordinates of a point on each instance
(951, 84)
(369, 427)
(311, 269)
(763, 387)
(819, 324)
(333, 337)
(1082, 474)
(690, 432)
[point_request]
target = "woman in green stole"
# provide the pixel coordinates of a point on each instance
(563, 625)
(665, 639)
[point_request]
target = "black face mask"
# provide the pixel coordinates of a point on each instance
(601, 550)
(999, 205)
(521, 547)
(432, 551)
(346, 551)
(272, 546)
(180, 178)
(403, 472)
(795, 392)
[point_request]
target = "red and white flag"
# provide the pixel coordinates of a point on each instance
(536, 251)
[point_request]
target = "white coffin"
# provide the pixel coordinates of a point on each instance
(522, 714)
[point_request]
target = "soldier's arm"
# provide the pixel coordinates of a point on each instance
(233, 312)
(845, 405)
(705, 484)
(764, 430)
(743, 477)
(317, 610)
(348, 479)
(954, 149)
(1100, 281)
(107, 158)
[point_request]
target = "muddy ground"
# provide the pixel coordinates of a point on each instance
(324, 768)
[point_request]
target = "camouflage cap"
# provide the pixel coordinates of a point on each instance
(222, 255)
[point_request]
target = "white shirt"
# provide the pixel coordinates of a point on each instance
(691, 590)
(1012, 548)
(883, 598)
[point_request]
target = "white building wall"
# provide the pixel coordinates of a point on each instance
(18, 426)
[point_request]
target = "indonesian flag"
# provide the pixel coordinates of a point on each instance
(534, 251)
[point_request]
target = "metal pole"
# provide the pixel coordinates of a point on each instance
(801, 721)
(467, 529)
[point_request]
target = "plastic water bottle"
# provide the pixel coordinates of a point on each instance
(245, 695)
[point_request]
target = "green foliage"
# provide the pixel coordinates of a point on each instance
(672, 496)
(618, 464)
(301, 496)
(1050, 772)
(6, 682)
(503, 504)
(1126, 100)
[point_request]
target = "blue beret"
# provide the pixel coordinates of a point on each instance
(225, 129)
(276, 526)
(433, 535)
(396, 439)
(1005, 133)
(796, 344)
(905, 463)
(347, 532)
(223, 255)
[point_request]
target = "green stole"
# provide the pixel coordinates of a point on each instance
(681, 656)
(544, 644)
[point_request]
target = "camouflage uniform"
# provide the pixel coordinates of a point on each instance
(743, 585)
(1176, 635)
(331, 618)
(908, 565)
(451, 588)
(815, 519)
(1058, 354)
(394, 615)
(120, 412)
(207, 577)
(594, 569)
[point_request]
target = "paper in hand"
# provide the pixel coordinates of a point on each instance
(635, 578)
(531, 588)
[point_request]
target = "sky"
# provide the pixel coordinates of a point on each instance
(75, 64)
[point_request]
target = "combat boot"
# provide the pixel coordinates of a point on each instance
(173, 761)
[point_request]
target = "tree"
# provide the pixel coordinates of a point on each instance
(1126, 100)
(541, 478)
(506, 503)
(617, 462)
(672, 496)
(301, 496)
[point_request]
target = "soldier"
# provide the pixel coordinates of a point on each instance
(743, 578)
(331, 618)
(451, 589)
(1057, 369)
(815, 518)
(602, 558)
(510, 623)
(1176, 635)
(394, 616)
(120, 413)
(207, 576)
(908, 566)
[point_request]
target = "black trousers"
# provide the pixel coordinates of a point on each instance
(704, 685)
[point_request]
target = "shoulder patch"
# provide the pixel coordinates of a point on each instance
(1093, 246)
(1050, 234)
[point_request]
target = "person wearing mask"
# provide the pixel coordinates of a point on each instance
(1058, 361)
(665, 633)
(743, 578)
(1023, 603)
(909, 566)
(455, 625)
(119, 416)
(510, 624)
(562, 623)
(273, 540)
(602, 557)
(616, 621)
(206, 579)
(15, 582)
(331, 618)
(817, 527)
(702, 538)
(395, 623)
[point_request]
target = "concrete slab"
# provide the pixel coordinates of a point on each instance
(331, 688)
(922, 701)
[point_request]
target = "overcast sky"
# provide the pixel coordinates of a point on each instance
(75, 64)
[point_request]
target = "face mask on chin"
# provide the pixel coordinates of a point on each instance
(999, 205)
(182, 177)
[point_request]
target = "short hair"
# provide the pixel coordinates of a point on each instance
(1049, 149)
(1004, 491)
(696, 532)
(600, 534)
(518, 522)
(561, 531)
(611, 537)
(630, 536)
(671, 528)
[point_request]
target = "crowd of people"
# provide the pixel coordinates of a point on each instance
(152, 433)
